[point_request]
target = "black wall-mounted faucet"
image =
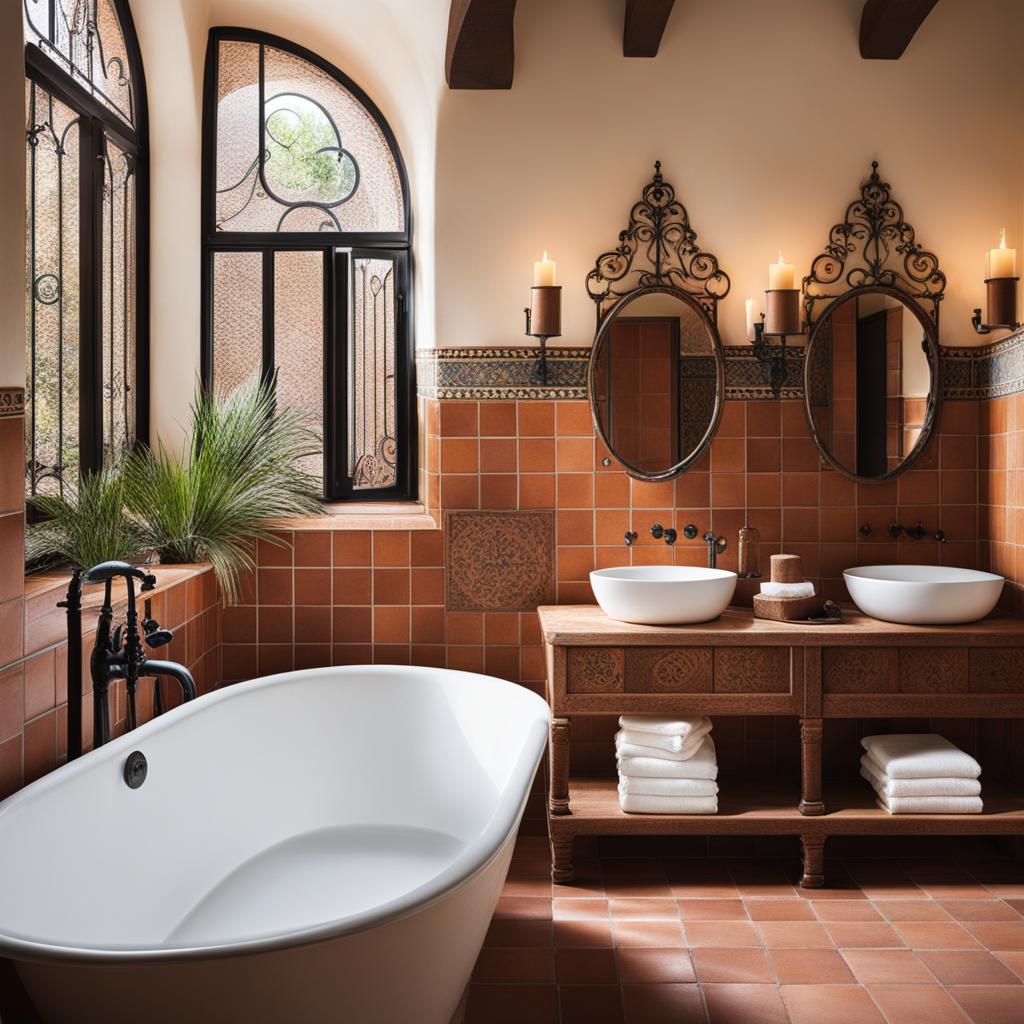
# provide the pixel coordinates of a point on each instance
(666, 533)
(716, 545)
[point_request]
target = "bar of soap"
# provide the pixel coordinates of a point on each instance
(804, 589)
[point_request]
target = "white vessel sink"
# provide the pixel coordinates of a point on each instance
(663, 595)
(923, 595)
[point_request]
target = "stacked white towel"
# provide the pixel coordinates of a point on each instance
(666, 765)
(921, 773)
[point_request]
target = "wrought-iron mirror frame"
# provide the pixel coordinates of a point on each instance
(658, 253)
(874, 250)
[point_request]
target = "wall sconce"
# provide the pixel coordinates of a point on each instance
(781, 318)
(544, 314)
(1000, 289)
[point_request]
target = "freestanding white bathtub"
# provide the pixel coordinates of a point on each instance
(317, 846)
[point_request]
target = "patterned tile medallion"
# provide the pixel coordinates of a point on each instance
(12, 401)
(499, 561)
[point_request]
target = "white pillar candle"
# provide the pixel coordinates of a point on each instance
(751, 332)
(1002, 262)
(780, 275)
(543, 272)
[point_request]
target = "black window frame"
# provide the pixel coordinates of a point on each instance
(97, 121)
(335, 247)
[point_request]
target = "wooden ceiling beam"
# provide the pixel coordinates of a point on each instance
(481, 50)
(887, 26)
(644, 26)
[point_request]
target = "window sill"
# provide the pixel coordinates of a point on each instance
(376, 516)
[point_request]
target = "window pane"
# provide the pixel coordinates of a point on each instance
(84, 37)
(117, 303)
(312, 160)
(372, 443)
(237, 317)
(299, 339)
(52, 293)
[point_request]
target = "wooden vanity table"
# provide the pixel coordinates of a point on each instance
(739, 665)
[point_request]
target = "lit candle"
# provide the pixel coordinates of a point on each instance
(543, 272)
(751, 333)
(780, 275)
(1002, 262)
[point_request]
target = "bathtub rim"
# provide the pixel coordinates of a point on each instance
(476, 856)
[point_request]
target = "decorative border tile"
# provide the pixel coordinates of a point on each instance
(12, 401)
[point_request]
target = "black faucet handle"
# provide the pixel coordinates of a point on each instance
(630, 538)
(158, 638)
(107, 571)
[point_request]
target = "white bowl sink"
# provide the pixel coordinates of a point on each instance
(923, 595)
(663, 595)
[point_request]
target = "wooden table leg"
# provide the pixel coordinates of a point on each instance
(814, 862)
(561, 859)
(810, 744)
(558, 755)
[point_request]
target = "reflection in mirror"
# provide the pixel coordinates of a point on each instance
(655, 377)
(869, 383)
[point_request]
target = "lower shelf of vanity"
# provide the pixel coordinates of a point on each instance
(772, 809)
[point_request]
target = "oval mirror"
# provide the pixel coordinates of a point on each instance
(871, 383)
(657, 380)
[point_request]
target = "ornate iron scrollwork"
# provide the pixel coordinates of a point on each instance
(661, 238)
(874, 246)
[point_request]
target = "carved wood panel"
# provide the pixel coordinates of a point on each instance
(595, 670)
(669, 670)
(997, 670)
(752, 670)
(933, 670)
(860, 670)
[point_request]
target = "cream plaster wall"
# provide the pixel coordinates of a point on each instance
(766, 120)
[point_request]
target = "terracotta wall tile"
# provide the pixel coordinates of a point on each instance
(498, 419)
(352, 547)
(312, 548)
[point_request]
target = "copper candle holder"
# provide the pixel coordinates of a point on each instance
(1001, 293)
(782, 311)
(544, 320)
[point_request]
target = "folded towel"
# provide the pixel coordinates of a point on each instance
(673, 744)
(885, 786)
(931, 804)
(625, 749)
(805, 589)
(920, 756)
(633, 804)
(703, 765)
(664, 725)
(635, 786)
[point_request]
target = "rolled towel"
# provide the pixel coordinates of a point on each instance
(635, 786)
(663, 725)
(920, 756)
(624, 749)
(931, 804)
(703, 765)
(673, 744)
(636, 804)
(805, 589)
(887, 787)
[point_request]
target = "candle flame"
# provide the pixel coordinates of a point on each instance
(781, 260)
(545, 254)
(1002, 238)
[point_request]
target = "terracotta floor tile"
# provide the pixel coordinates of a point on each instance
(586, 967)
(916, 1004)
(739, 1004)
(523, 908)
(515, 966)
(527, 887)
(747, 965)
(836, 1004)
(935, 935)
(967, 967)
(887, 967)
(779, 910)
(643, 909)
(712, 910)
(911, 910)
(662, 1004)
(864, 935)
(1014, 959)
(721, 933)
(998, 934)
(991, 1004)
(810, 967)
(648, 933)
(512, 1004)
(518, 932)
(654, 965)
(961, 890)
(591, 1004)
(579, 910)
(779, 934)
(582, 934)
(700, 879)
(845, 910)
(980, 910)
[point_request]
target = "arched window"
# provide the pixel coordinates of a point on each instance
(86, 256)
(306, 255)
